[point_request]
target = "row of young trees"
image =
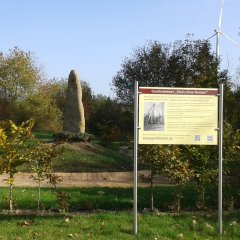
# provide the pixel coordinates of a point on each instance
(181, 164)
(18, 147)
(196, 165)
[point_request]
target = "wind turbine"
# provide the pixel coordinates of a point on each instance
(219, 32)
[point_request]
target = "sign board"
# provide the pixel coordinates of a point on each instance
(178, 116)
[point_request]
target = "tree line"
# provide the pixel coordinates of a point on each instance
(26, 93)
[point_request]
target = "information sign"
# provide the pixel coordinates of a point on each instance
(178, 116)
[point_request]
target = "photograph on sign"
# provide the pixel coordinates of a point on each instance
(178, 116)
(153, 116)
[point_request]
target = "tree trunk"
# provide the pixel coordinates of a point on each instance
(178, 198)
(39, 194)
(11, 197)
(151, 187)
(201, 197)
(10, 192)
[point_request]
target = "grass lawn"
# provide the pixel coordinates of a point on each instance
(91, 158)
(44, 136)
(116, 225)
(86, 157)
(106, 213)
(82, 199)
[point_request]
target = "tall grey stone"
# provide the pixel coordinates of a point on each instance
(74, 120)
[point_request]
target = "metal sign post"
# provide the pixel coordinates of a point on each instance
(169, 102)
(135, 155)
(220, 146)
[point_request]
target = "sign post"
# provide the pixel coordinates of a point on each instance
(135, 155)
(220, 147)
(192, 116)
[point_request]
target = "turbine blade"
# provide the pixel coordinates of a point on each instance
(220, 17)
(231, 40)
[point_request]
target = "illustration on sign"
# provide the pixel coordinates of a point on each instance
(178, 116)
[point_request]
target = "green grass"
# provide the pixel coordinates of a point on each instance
(103, 159)
(112, 145)
(115, 226)
(106, 213)
(44, 136)
(89, 157)
(82, 199)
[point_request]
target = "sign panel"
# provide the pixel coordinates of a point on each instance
(178, 116)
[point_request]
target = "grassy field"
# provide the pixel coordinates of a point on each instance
(106, 213)
(82, 199)
(116, 226)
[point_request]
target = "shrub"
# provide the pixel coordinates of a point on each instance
(63, 199)
(14, 150)
(73, 137)
(107, 132)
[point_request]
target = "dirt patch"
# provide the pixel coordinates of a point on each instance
(87, 179)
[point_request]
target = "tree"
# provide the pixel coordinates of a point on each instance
(56, 88)
(166, 160)
(42, 165)
(181, 64)
(178, 170)
(231, 102)
(154, 158)
(14, 150)
(19, 77)
(203, 163)
(109, 119)
(231, 166)
(25, 93)
(42, 109)
(148, 65)
(87, 98)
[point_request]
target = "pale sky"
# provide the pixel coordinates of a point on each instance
(94, 36)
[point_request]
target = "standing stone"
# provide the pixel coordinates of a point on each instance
(74, 120)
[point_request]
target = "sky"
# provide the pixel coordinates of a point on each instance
(94, 36)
